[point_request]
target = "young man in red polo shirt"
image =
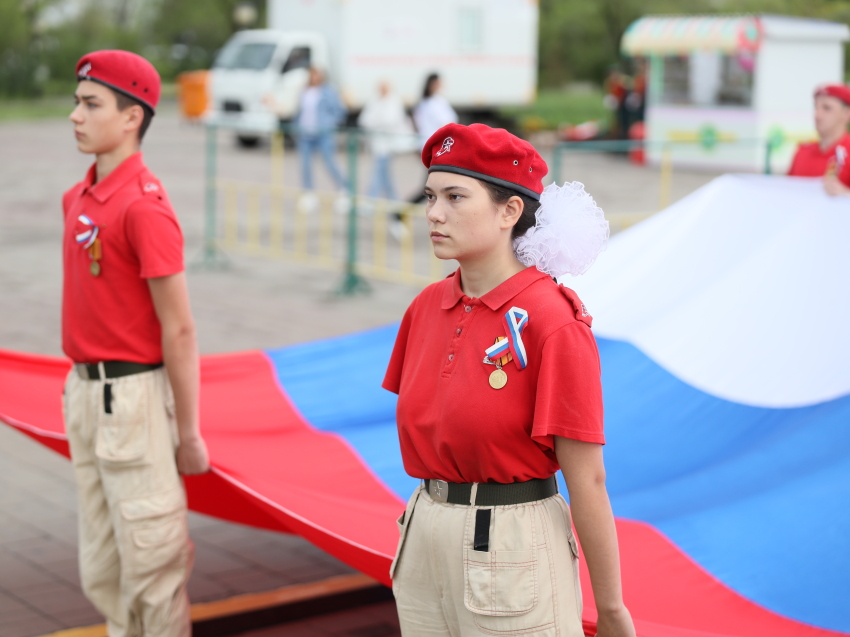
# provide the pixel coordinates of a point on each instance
(830, 157)
(131, 400)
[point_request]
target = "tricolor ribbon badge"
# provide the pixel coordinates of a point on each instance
(498, 349)
(87, 238)
(515, 319)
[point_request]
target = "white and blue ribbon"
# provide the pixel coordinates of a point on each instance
(87, 238)
(516, 320)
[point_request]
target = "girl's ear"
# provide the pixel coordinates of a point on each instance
(512, 212)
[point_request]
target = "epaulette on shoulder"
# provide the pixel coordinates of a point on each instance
(579, 308)
(150, 186)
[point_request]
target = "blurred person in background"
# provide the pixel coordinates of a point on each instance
(636, 99)
(616, 90)
(431, 114)
(828, 157)
(389, 130)
(320, 111)
(433, 111)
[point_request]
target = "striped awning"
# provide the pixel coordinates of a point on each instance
(670, 35)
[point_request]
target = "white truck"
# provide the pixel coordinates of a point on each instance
(484, 50)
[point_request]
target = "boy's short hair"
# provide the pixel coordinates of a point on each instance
(124, 101)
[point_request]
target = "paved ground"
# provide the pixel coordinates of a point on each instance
(377, 620)
(253, 304)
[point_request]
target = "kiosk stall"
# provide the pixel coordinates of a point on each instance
(733, 92)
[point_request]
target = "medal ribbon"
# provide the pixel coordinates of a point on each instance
(516, 320)
(87, 238)
(840, 158)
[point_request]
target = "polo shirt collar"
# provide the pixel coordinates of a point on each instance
(125, 171)
(844, 140)
(498, 296)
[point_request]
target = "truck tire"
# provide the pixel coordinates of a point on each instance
(247, 141)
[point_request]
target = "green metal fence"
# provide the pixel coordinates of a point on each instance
(264, 218)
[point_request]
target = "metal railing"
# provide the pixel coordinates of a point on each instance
(362, 237)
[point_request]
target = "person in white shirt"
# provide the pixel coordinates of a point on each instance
(431, 114)
(434, 111)
(389, 131)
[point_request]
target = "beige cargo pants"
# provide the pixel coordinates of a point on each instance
(135, 552)
(526, 583)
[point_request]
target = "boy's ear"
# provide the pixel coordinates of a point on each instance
(134, 115)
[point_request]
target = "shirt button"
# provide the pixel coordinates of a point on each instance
(451, 356)
(459, 331)
(468, 308)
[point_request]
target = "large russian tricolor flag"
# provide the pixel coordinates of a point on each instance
(724, 329)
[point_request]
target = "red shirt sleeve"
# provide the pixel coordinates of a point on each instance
(569, 388)
(154, 233)
(392, 379)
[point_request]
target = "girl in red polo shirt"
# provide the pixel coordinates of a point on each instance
(498, 379)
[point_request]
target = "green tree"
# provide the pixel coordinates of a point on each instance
(580, 40)
(176, 35)
(187, 34)
(21, 47)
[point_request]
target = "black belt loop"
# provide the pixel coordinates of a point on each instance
(481, 539)
(107, 398)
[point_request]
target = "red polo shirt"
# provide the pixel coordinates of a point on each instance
(811, 161)
(452, 425)
(111, 316)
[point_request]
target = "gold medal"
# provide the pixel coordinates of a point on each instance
(498, 378)
(96, 250)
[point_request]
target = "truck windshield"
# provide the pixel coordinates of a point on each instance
(253, 56)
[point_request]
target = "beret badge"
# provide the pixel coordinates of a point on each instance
(448, 142)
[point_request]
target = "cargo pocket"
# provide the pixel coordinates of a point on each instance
(574, 554)
(500, 583)
(403, 524)
(123, 435)
(576, 580)
(171, 412)
(157, 531)
(507, 581)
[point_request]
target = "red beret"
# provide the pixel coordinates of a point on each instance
(124, 72)
(840, 91)
(489, 154)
